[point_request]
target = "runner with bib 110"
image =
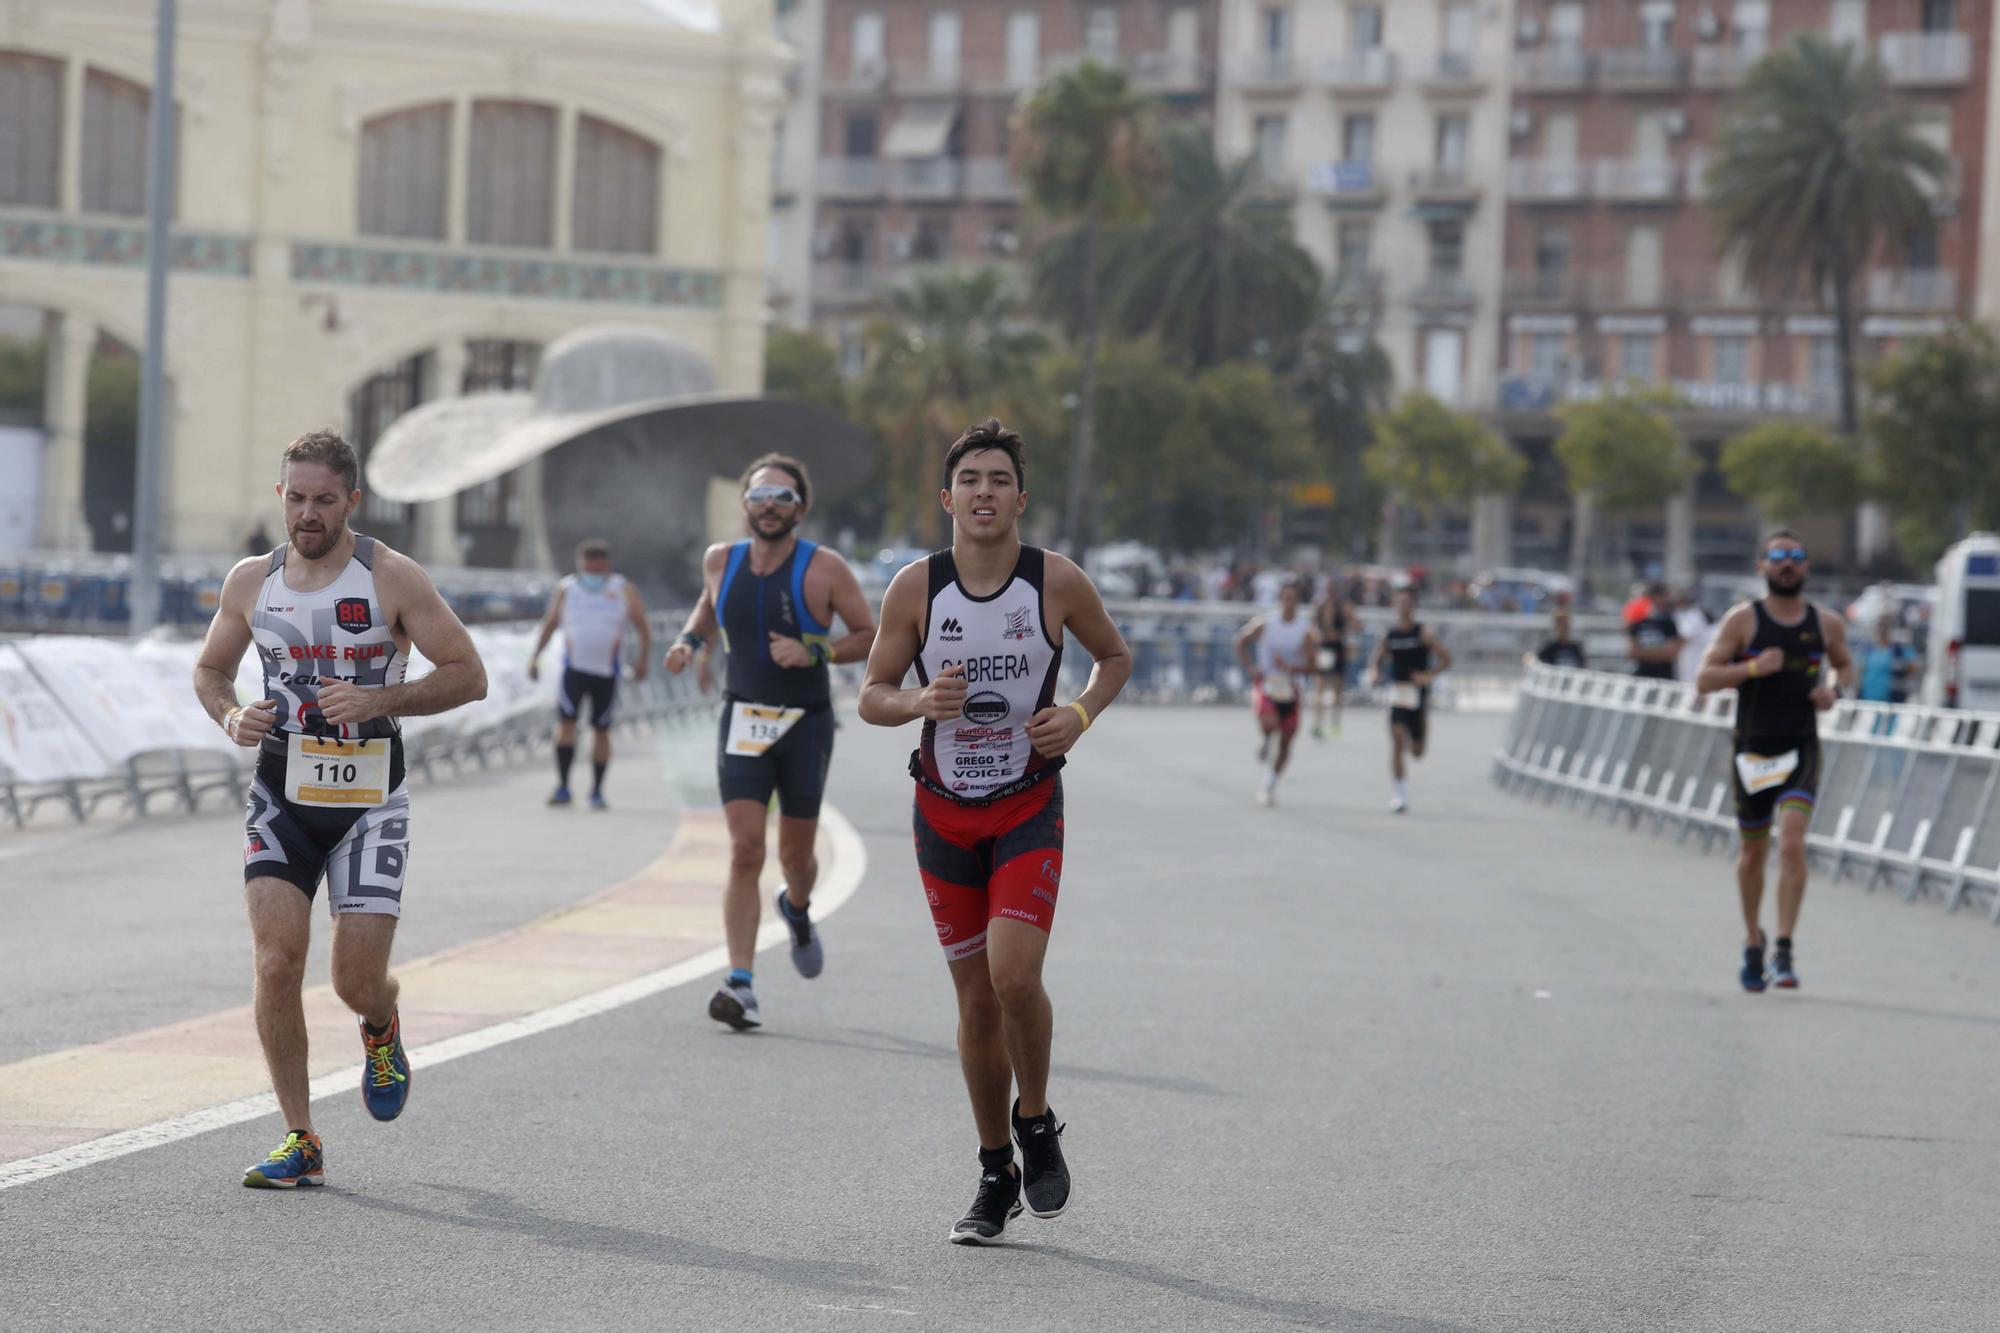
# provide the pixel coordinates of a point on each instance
(333, 616)
(983, 624)
(774, 598)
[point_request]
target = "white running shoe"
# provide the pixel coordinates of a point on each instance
(735, 1004)
(1399, 806)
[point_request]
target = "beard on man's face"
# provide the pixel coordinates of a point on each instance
(1785, 580)
(774, 525)
(314, 538)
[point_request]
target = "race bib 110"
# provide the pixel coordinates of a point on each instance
(342, 775)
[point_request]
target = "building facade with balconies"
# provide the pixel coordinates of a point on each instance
(1611, 264)
(915, 101)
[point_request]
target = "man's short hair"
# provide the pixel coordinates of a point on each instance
(594, 548)
(988, 434)
(784, 463)
(326, 448)
(1781, 535)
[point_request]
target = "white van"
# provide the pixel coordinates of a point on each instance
(1964, 666)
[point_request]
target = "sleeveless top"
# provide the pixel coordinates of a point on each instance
(1282, 645)
(335, 633)
(750, 607)
(1408, 654)
(1011, 662)
(1780, 705)
(593, 624)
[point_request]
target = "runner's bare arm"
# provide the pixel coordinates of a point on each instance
(222, 652)
(1846, 673)
(1376, 655)
(411, 602)
(635, 609)
(1440, 656)
(1719, 668)
(851, 605)
(1246, 637)
(1074, 597)
(548, 629)
(701, 625)
(884, 701)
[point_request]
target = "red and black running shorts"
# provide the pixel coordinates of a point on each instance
(1283, 714)
(982, 862)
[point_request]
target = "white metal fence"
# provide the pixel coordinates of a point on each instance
(1906, 794)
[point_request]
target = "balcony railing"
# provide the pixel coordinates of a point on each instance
(1454, 70)
(1913, 289)
(1006, 77)
(1168, 72)
(864, 77)
(930, 80)
(990, 178)
(1927, 59)
(1637, 181)
(1444, 184)
(1444, 290)
(926, 178)
(1540, 393)
(849, 177)
(844, 282)
(1563, 288)
(1553, 69)
(1358, 182)
(1641, 67)
(1356, 286)
(1725, 66)
(1534, 180)
(1359, 71)
(1268, 71)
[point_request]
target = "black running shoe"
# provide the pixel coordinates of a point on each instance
(998, 1202)
(1044, 1174)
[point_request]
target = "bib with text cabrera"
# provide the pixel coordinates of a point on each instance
(1762, 772)
(341, 775)
(755, 728)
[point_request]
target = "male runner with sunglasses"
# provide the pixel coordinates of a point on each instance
(1774, 652)
(774, 597)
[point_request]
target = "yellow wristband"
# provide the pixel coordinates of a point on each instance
(1753, 670)
(1082, 712)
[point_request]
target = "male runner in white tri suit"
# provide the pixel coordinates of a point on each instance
(983, 625)
(333, 616)
(593, 606)
(1287, 648)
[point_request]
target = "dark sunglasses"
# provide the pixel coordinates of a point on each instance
(1795, 554)
(772, 495)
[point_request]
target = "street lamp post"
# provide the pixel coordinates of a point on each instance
(152, 384)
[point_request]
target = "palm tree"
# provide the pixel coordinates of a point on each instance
(950, 350)
(1818, 164)
(1083, 149)
(1214, 271)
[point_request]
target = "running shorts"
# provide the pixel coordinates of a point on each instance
(1757, 810)
(1412, 720)
(361, 854)
(982, 862)
(1286, 711)
(794, 767)
(580, 687)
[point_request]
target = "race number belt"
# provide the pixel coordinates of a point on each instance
(340, 775)
(755, 728)
(1279, 689)
(1761, 772)
(1406, 694)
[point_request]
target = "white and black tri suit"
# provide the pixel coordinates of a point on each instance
(794, 703)
(1409, 654)
(342, 827)
(593, 622)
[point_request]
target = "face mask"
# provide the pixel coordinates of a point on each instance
(591, 582)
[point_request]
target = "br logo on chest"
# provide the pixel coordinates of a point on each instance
(352, 614)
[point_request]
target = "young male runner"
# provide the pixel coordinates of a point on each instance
(1774, 652)
(1415, 658)
(774, 597)
(983, 624)
(1286, 648)
(1333, 626)
(593, 606)
(332, 615)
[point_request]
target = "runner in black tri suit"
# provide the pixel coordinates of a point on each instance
(1788, 661)
(985, 625)
(332, 616)
(1414, 658)
(774, 597)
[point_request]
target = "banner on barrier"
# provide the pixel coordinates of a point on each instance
(126, 704)
(38, 741)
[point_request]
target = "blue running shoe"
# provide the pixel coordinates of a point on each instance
(597, 801)
(1752, 975)
(297, 1161)
(560, 796)
(385, 1079)
(807, 955)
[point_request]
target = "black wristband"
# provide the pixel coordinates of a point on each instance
(689, 639)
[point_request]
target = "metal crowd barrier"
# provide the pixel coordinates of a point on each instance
(1905, 795)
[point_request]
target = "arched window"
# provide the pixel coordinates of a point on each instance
(30, 129)
(510, 177)
(616, 206)
(405, 169)
(371, 407)
(114, 144)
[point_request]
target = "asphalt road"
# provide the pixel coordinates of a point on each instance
(1483, 1066)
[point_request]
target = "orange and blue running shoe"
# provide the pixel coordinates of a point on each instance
(385, 1079)
(296, 1161)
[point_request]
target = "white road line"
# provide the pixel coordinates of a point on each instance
(850, 863)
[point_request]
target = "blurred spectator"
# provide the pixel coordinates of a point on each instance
(1886, 666)
(1560, 648)
(259, 541)
(1653, 640)
(1695, 631)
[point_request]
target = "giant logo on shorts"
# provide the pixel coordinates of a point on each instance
(986, 707)
(351, 614)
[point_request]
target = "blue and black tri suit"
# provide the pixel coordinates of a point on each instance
(750, 608)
